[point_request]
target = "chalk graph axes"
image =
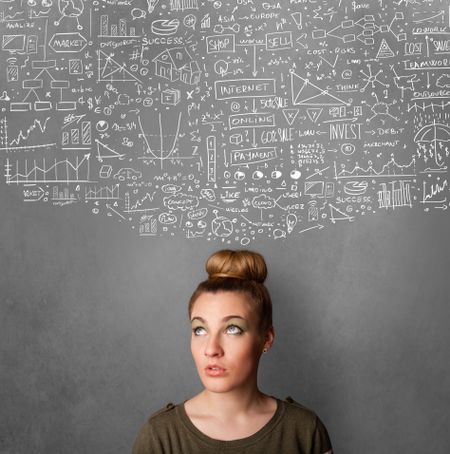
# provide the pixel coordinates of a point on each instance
(64, 171)
(164, 155)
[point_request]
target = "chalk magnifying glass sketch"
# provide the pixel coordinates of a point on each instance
(71, 9)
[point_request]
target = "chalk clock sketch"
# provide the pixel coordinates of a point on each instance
(228, 120)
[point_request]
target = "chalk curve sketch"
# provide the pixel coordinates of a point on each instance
(226, 122)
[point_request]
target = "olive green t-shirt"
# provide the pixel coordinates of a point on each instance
(293, 429)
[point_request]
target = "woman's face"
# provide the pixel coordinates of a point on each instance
(226, 343)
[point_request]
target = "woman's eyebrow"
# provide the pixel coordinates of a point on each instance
(225, 319)
(229, 317)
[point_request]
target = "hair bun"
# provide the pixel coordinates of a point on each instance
(241, 264)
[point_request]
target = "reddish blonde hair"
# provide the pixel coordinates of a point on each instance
(240, 271)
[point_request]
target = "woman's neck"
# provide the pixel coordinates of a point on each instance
(230, 405)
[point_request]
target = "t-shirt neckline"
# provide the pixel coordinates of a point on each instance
(232, 444)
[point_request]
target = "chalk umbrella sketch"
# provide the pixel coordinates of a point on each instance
(436, 134)
(227, 121)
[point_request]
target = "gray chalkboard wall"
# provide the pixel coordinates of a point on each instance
(137, 137)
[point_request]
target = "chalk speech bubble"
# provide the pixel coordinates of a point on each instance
(443, 81)
(167, 218)
(171, 188)
(138, 13)
(208, 194)
(181, 202)
(263, 202)
(198, 214)
(278, 233)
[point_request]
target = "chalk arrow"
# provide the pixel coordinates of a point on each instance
(112, 209)
(318, 226)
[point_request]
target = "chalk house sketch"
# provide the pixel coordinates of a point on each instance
(227, 120)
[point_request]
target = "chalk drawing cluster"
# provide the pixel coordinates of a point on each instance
(228, 120)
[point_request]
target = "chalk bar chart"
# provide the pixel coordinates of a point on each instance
(227, 122)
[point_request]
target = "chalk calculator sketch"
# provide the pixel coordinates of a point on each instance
(226, 120)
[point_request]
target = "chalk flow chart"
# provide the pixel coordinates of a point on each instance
(227, 120)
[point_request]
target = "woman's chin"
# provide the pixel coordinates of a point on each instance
(216, 386)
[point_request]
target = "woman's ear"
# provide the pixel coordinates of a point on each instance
(269, 338)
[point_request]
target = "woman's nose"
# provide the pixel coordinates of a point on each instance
(213, 346)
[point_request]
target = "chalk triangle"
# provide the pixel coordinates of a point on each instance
(338, 215)
(290, 115)
(111, 71)
(385, 51)
(104, 152)
(306, 93)
(314, 113)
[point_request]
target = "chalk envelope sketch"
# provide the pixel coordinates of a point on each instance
(226, 122)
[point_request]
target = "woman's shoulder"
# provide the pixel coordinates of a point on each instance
(165, 413)
(158, 422)
(299, 414)
(155, 430)
(295, 407)
(306, 421)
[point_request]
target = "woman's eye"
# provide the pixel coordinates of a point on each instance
(199, 331)
(233, 329)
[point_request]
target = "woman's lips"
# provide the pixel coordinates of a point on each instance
(215, 371)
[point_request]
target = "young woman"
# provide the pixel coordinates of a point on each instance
(231, 318)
